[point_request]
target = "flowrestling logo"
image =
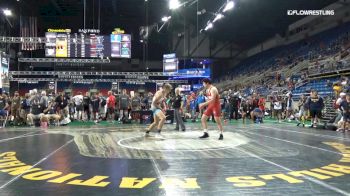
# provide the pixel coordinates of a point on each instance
(310, 12)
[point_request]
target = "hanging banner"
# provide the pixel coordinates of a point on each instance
(4, 73)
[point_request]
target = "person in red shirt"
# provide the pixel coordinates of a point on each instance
(110, 106)
(214, 107)
(261, 103)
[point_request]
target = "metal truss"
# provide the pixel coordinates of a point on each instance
(63, 60)
(37, 40)
(95, 80)
(90, 73)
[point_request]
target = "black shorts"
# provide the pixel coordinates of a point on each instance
(346, 117)
(110, 110)
(86, 108)
(315, 113)
(95, 109)
(197, 108)
(79, 107)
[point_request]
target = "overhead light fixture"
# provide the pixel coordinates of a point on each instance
(218, 17)
(229, 5)
(7, 12)
(166, 18)
(209, 26)
(174, 4)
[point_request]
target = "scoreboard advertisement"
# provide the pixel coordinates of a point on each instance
(62, 43)
(170, 63)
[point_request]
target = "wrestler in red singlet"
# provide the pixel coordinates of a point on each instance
(213, 108)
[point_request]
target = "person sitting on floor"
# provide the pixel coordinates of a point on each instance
(36, 112)
(51, 114)
(257, 115)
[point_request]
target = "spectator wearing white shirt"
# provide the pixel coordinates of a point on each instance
(78, 101)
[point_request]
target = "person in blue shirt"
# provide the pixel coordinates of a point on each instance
(200, 99)
(193, 105)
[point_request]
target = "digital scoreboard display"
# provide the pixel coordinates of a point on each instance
(121, 46)
(170, 63)
(66, 45)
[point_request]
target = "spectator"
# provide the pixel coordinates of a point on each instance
(342, 97)
(110, 106)
(95, 105)
(78, 101)
(302, 111)
(234, 101)
(86, 106)
(36, 112)
(103, 106)
(200, 99)
(124, 104)
(289, 106)
(16, 106)
(25, 108)
(277, 107)
(345, 105)
(4, 106)
(261, 103)
(315, 105)
(50, 113)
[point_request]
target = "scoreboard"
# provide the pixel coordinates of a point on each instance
(62, 44)
(170, 63)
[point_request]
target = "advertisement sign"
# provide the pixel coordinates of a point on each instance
(61, 45)
(194, 73)
(4, 73)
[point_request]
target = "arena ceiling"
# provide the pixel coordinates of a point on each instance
(250, 22)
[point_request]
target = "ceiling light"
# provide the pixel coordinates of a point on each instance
(7, 12)
(218, 17)
(174, 4)
(229, 6)
(209, 26)
(166, 18)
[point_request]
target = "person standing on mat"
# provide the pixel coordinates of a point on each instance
(315, 105)
(159, 114)
(86, 106)
(124, 103)
(110, 106)
(214, 108)
(178, 105)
